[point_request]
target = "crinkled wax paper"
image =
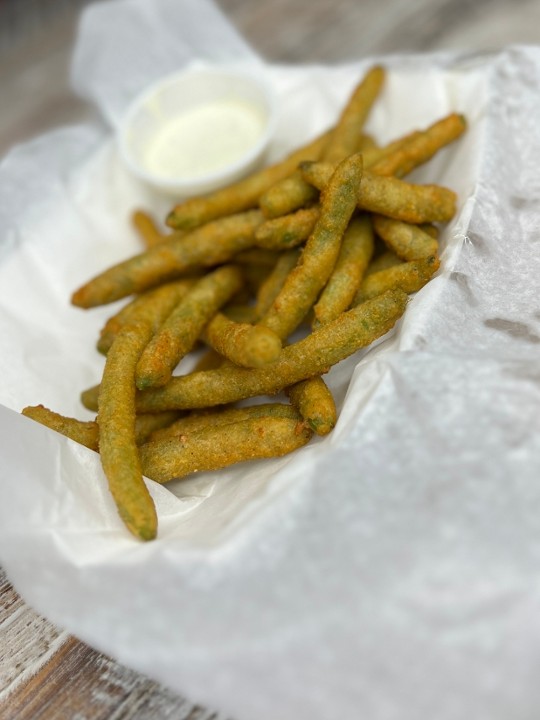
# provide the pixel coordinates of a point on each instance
(389, 570)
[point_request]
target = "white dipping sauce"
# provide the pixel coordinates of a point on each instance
(204, 139)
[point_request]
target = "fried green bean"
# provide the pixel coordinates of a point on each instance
(346, 136)
(182, 328)
(305, 281)
(408, 241)
(207, 246)
(117, 442)
(196, 421)
(313, 355)
(287, 195)
(407, 276)
(171, 294)
(89, 398)
(218, 447)
(148, 423)
(421, 147)
(147, 228)
(354, 256)
(366, 142)
(373, 156)
(270, 288)
(315, 403)
(393, 197)
(84, 432)
(431, 229)
(385, 260)
(241, 343)
(287, 231)
(244, 194)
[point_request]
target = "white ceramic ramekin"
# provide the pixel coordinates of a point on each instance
(199, 129)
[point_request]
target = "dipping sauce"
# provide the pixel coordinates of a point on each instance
(199, 129)
(204, 139)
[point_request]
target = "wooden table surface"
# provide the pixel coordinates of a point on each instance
(44, 672)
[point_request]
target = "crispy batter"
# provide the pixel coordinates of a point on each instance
(315, 403)
(305, 282)
(346, 137)
(393, 197)
(198, 420)
(217, 447)
(287, 231)
(182, 328)
(207, 246)
(407, 276)
(287, 195)
(241, 343)
(170, 294)
(146, 227)
(421, 147)
(84, 432)
(354, 256)
(314, 355)
(381, 262)
(409, 242)
(117, 441)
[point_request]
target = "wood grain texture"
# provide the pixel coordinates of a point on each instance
(34, 82)
(46, 674)
(341, 30)
(79, 682)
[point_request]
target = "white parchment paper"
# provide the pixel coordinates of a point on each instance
(390, 570)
